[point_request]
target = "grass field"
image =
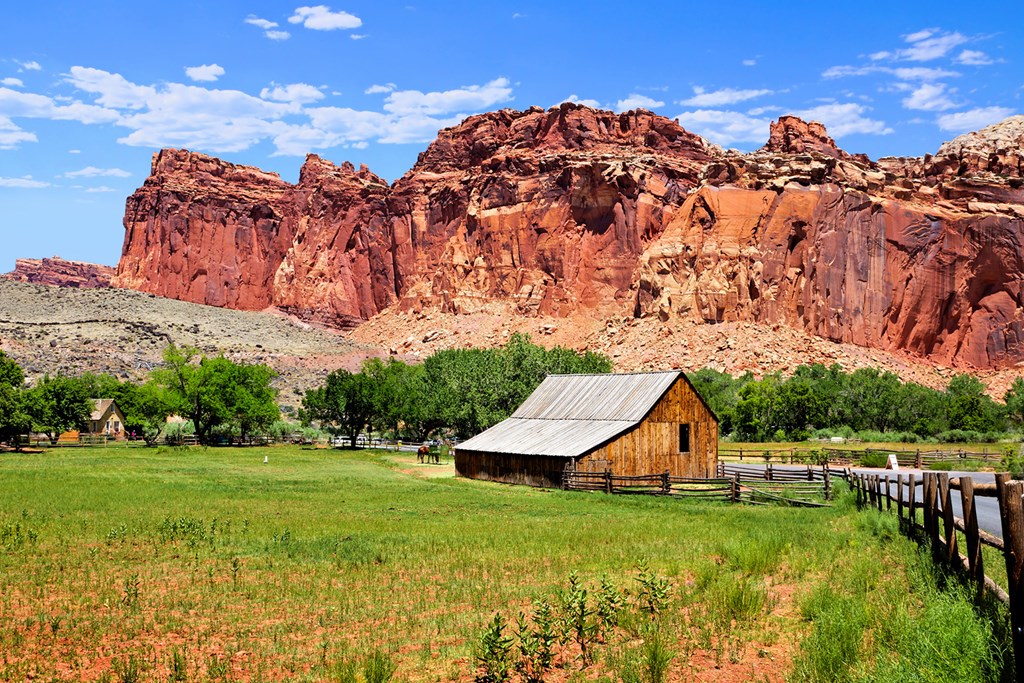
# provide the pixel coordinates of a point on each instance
(323, 565)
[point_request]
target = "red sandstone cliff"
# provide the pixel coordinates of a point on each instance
(60, 272)
(572, 209)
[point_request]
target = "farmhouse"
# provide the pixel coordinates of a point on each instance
(106, 418)
(636, 423)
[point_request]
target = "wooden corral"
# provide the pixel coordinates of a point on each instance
(629, 424)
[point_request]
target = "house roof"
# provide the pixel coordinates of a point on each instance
(100, 408)
(569, 415)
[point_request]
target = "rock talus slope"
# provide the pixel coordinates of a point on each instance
(576, 211)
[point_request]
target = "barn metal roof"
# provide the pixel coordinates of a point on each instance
(568, 415)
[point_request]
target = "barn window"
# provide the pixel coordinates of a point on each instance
(684, 438)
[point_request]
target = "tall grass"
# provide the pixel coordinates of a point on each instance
(209, 564)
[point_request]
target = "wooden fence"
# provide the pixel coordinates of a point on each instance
(920, 459)
(940, 525)
(811, 488)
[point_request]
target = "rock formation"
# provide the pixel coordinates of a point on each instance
(60, 272)
(575, 210)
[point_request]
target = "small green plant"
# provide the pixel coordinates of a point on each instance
(494, 658)
(130, 592)
(236, 566)
(536, 643)
(579, 624)
(343, 671)
(378, 667)
(218, 668)
(652, 596)
(874, 459)
(128, 670)
(609, 603)
(178, 666)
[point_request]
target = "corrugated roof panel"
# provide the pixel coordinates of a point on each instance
(558, 438)
(596, 397)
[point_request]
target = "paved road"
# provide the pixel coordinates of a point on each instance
(988, 508)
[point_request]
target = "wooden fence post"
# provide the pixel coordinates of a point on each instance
(665, 486)
(608, 481)
(932, 507)
(975, 565)
(878, 489)
(768, 472)
(736, 488)
(888, 496)
(828, 482)
(1011, 509)
(948, 524)
(899, 496)
(912, 503)
(917, 459)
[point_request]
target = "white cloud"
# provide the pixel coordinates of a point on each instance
(518, 15)
(377, 89)
(100, 188)
(268, 28)
(470, 98)
(842, 119)
(357, 36)
(929, 97)
(635, 101)
(23, 182)
(299, 93)
(725, 127)
(972, 119)
(718, 98)
(93, 172)
(28, 66)
(30, 105)
(913, 73)
(224, 120)
(12, 82)
(575, 99)
(924, 46)
(74, 151)
(114, 90)
(264, 24)
(321, 18)
(205, 73)
(973, 58)
(749, 62)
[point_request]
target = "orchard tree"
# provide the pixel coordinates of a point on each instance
(345, 402)
(14, 419)
(215, 391)
(57, 405)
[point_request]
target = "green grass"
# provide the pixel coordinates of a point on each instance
(207, 564)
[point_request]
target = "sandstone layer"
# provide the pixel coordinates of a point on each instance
(60, 272)
(574, 211)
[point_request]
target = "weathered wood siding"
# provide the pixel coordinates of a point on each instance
(653, 445)
(531, 470)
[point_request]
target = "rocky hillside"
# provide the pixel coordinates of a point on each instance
(60, 272)
(579, 214)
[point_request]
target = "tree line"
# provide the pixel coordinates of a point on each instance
(828, 401)
(455, 391)
(218, 396)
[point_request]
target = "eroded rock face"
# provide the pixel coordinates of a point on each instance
(572, 209)
(60, 272)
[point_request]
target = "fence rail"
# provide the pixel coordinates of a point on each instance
(940, 525)
(812, 488)
(843, 457)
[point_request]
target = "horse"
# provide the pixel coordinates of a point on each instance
(423, 453)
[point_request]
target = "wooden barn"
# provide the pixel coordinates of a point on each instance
(630, 424)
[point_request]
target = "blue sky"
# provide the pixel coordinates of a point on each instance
(89, 90)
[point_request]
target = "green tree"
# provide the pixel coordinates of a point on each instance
(967, 406)
(757, 409)
(345, 402)
(215, 392)
(58, 404)
(1014, 399)
(14, 419)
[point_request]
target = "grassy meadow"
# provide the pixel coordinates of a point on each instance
(325, 565)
